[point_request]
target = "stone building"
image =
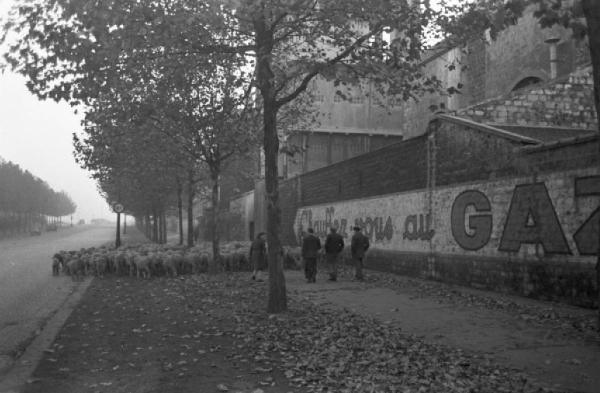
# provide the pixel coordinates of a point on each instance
(486, 72)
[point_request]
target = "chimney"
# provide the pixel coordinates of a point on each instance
(553, 41)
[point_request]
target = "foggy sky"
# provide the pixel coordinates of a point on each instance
(37, 135)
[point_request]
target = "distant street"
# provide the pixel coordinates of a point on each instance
(29, 294)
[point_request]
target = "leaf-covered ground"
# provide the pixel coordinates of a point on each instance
(210, 334)
(572, 321)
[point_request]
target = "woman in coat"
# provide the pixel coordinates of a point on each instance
(258, 255)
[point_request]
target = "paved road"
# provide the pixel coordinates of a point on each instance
(29, 294)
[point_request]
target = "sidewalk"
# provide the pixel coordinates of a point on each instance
(209, 333)
(553, 343)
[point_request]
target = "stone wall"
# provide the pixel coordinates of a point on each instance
(566, 102)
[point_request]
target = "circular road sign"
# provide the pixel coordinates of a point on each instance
(118, 208)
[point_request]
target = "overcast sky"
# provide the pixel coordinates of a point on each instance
(37, 135)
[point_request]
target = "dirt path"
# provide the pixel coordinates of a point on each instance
(552, 343)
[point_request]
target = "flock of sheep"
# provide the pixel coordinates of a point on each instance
(153, 260)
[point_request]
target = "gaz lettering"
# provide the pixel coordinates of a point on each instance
(531, 219)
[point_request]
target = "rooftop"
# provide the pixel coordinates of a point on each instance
(545, 134)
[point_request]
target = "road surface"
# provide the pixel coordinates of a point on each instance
(29, 294)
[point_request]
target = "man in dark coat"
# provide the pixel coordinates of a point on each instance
(310, 251)
(359, 246)
(334, 244)
(258, 255)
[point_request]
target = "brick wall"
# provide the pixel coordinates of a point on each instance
(314, 150)
(565, 102)
(395, 168)
(459, 205)
(467, 154)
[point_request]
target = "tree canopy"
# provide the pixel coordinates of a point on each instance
(22, 192)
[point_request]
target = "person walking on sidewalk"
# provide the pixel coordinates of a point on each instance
(310, 251)
(334, 244)
(358, 247)
(258, 255)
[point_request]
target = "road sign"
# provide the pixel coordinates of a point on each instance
(118, 208)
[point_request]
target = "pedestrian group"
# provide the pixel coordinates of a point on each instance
(311, 248)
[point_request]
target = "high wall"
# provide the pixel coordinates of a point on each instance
(467, 204)
(318, 149)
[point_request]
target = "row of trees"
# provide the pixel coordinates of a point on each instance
(157, 145)
(174, 89)
(26, 202)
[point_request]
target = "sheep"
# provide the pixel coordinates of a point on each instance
(75, 268)
(170, 262)
(142, 266)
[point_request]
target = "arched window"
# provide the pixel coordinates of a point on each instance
(526, 82)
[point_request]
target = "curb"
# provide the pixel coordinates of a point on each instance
(26, 364)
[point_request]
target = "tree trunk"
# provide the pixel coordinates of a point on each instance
(277, 292)
(160, 228)
(216, 259)
(591, 10)
(180, 212)
(118, 237)
(147, 225)
(154, 226)
(190, 210)
(277, 301)
(164, 222)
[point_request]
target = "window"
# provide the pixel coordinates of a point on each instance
(525, 82)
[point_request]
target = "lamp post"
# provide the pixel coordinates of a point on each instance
(118, 208)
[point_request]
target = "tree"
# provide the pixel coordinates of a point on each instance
(133, 165)
(208, 112)
(288, 43)
(25, 199)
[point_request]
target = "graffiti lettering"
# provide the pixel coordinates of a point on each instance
(375, 229)
(418, 227)
(321, 227)
(475, 232)
(532, 220)
(586, 237)
(384, 232)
